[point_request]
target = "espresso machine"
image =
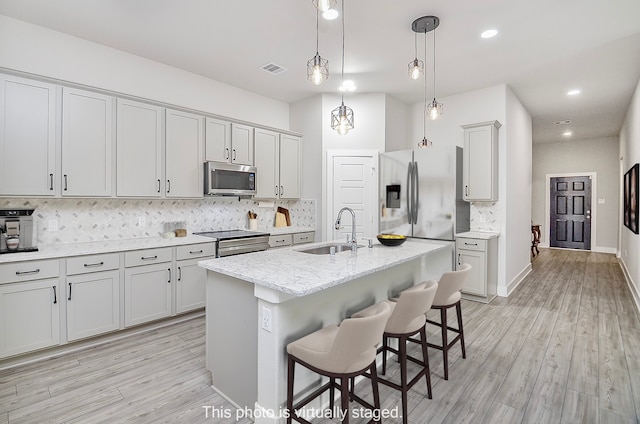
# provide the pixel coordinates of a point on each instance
(16, 230)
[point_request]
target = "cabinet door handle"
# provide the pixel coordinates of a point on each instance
(149, 258)
(459, 263)
(35, 271)
(92, 265)
(179, 273)
(234, 155)
(69, 298)
(169, 269)
(50, 181)
(158, 185)
(195, 252)
(276, 190)
(470, 244)
(168, 186)
(226, 153)
(281, 190)
(55, 295)
(65, 182)
(466, 190)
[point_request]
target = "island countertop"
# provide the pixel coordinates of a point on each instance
(291, 271)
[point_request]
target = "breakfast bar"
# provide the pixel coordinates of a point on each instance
(259, 302)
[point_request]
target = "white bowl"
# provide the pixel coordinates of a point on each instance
(13, 243)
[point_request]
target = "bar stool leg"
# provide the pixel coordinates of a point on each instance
(344, 398)
(374, 388)
(425, 359)
(290, 369)
(402, 357)
(459, 313)
(385, 340)
(445, 342)
(331, 393)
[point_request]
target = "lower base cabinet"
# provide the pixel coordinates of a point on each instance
(482, 255)
(29, 316)
(147, 293)
(190, 285)
(93, 304)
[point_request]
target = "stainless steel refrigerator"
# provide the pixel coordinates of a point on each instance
(421, 193)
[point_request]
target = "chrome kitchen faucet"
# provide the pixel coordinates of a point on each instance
(353, 224)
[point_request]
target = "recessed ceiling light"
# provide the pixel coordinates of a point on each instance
(567, 133)
(574, 92)
(330, 14)
(347, 85)
(490, 33)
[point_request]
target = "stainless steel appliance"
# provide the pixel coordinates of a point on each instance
(234, 242)
(16, 230)
(421, 193)
(226, 179)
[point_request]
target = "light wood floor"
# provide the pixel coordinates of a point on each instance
(563, 348)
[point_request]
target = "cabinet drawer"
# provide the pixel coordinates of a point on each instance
(195, 251)
(280, 240)
(93, 263)
(471, 244)
(300, 238)
(31, 270)
(147, 256)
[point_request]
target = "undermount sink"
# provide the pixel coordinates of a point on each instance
(326, 249)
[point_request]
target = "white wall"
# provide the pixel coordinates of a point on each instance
(599, 156)
(29, 48)
(630, 153)
(397, 124)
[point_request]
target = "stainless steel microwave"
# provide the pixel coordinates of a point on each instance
(227, 179)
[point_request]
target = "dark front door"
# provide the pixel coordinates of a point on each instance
(570, 212)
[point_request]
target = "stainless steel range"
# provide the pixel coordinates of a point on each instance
(235, 242)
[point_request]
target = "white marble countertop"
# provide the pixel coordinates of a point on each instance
(285, 230)
(480, 235)
(293, 272)
(97, 247)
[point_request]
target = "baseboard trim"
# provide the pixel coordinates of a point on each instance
(597, 249)
(505, 291)
(630, 284)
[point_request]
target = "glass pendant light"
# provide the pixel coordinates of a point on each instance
(317, 67)
(424, 143)
(435, 109)
(323, 5)
(416, 66)
(342, 116)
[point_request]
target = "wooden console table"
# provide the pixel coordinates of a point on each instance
(535, 239)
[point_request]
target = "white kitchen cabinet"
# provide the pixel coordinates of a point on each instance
(277, 157)
(482, 255)
(28, 116)
(190, 278)
(184, 144)
(147, 288)
(480, 161)
(29, 306)
(306, 237)
(139, 144)
(242, 144)
(93, 295)
(228, 142)
(87, 143)
(280, 240)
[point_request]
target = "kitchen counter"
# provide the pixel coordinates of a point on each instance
(480, 235)
(286, 230)
(97, 247)
(291, 271)
(259, 302)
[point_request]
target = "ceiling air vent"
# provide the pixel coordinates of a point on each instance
(565, 122)
(273, 68)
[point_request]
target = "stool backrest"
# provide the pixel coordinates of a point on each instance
(411, 307)
(450, 285)
(355, 344)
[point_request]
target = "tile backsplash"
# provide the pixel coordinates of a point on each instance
(84, 220)
(485, 216)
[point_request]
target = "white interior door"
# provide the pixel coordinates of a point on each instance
(352, 181)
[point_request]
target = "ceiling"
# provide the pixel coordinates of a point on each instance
(543, 49)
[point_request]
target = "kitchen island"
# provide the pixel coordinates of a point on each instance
(258, 303)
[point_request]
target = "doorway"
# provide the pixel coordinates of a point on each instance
(570, 212)
(352, 181)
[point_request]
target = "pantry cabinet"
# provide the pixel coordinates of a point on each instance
(29, 306)
(277, 156)
(93, 295)
(28, 115)
(139, 143)
(87, 140)
(480, 161)
(184, 156)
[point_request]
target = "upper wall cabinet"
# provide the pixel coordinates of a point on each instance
(184, 154)
(139, 150)
(87, 140)
(28, 137)
(277, 157)
(480, 159)
(228, 142)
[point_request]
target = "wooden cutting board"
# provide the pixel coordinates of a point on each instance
(281, 220)
(285, 212)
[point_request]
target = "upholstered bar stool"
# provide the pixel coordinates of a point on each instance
(448, 296)
(408, 317)
(339, 352)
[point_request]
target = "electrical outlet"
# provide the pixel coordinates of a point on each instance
(266, 319)
(53, 225)
(142, 221)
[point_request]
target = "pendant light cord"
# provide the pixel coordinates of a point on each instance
(434, 63)
(424, 114)
(317, 34)
(342, 73)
